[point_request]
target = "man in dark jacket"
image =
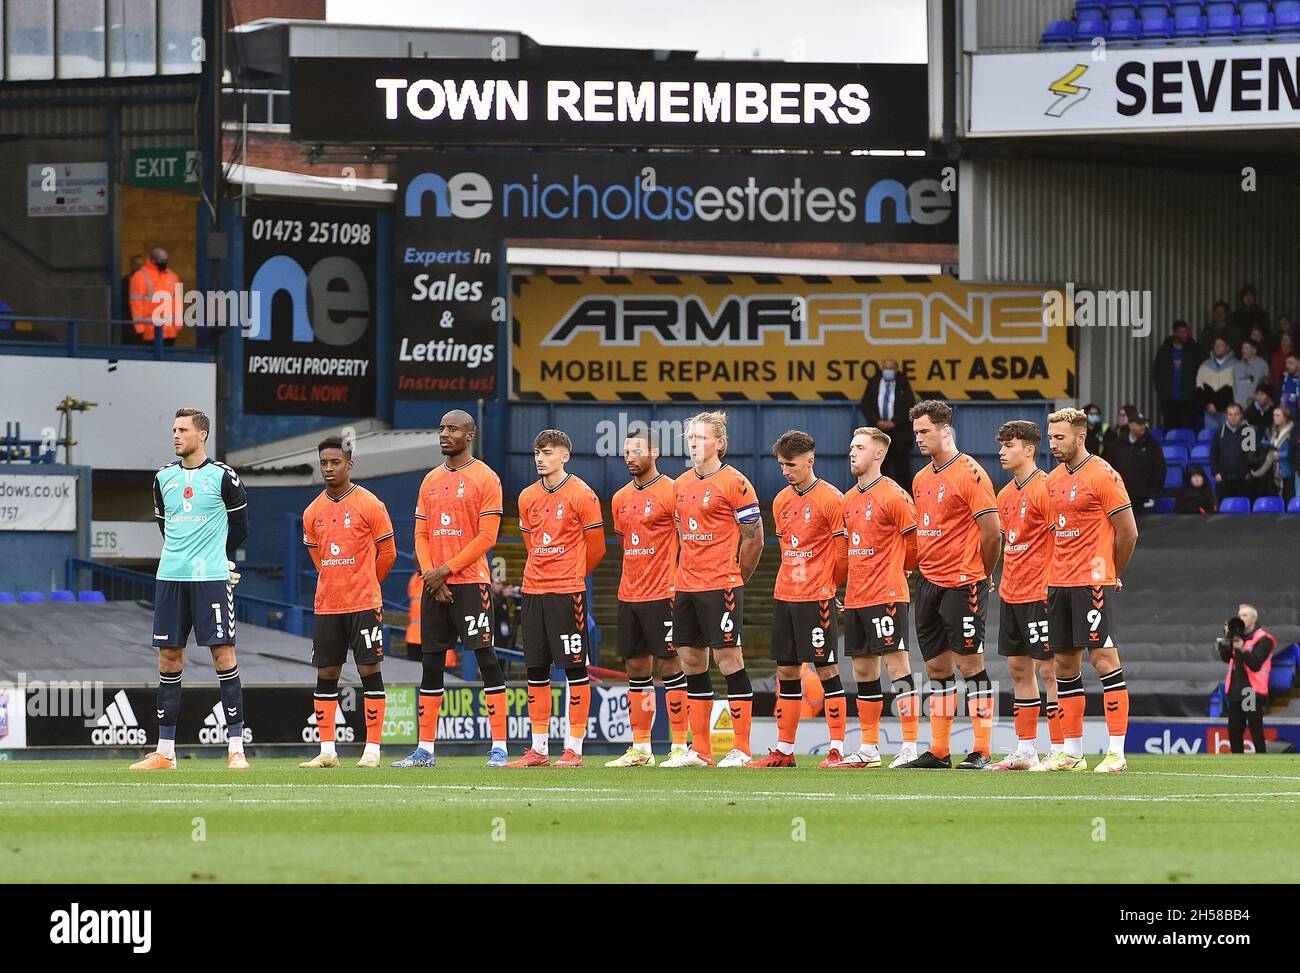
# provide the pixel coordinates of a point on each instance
(1246, 648)
(1260, 411)
(1139, 461)
(1174, 376)
(1231, 451)
(1220, 326)
(1248, 314)
(889, 396)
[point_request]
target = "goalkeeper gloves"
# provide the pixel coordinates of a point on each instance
(234, 575)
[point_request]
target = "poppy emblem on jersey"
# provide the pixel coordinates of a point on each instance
(939, 498)
(1011, 537)
(334, 550)
(636, 541)
(445, 519)
(347, 520)
(707, 493)
(694, 525)
(188, 493)
(857, 538)
(546, 538)
(646, 512)
(1060, 521)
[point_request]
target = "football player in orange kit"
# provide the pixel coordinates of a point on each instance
(809, 527)
(1022, 627)
(880, 519)
(642, 511)
(1095, 537)
(721, 541)
(350, 536)
(560, 519)
(457, 517)
(958, 544)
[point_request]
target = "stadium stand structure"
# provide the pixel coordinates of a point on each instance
(1129, 24)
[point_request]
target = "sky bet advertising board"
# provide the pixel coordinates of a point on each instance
(672, 196)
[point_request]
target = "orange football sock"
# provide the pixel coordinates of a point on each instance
(375, 707)
(326, 711)
(1115, 702)
(979, 707)
(496, 708)
(740, 700)
(1026, 719)
(870, 705)
(699, 706)
(1055, 730)
(908, 704)
(675, 699)
(943, 708)
(579, 705)
(789, 707)
(539, 705)
(837, 717)
(1073, 703)
(427, 713)
(641, 707)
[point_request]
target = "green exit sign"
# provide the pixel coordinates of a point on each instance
(163, 168)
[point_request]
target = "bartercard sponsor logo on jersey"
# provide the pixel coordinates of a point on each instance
(215, 725)
(75, 926)
(445, 519)
(634, 548)
(117, 725)
(1060, 528)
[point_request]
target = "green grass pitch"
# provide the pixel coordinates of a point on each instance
(1169, 819)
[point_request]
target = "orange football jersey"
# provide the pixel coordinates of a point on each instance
(1023, 509)
(448, 509)
(948, 499)
(643, 518)
(1082, 501)
(709, 510)
(877, 518)
(346, 532)
(807, 524)
(556, 519)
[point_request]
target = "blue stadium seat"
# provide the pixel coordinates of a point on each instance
(1156, 433)
(1188, 9)
(1234, 505)
(31, 597)
(1223, 26)
(62, 595)
(1175, 454)
(1124, 10)
(1190, 25)
(1268, 505)
(1220, 8)
(1173, 476)
(1091, 24)
(1184, 436)
(7, 598)
(1060, 34)
(1286, 17)
(1148, 9)
(1157, 30)
(1125, 29)
(1257, 23)
(1292, 507)
(1205, 435)
(1252, 8)
(1088, 5)
(1285, 662)
(1164, 505)
(92, 596)
(1200, 455)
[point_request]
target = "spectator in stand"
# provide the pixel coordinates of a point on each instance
(1096, 429)
(1263, 342)
(1277, 362)
(1247, 372)
(153, 299)
(1231, 451)
(1288, 392)
(1260, 411)
(1113, 432)
(1196, 495)
(889, 395)
(1282, 437)
(1248, 313)
(1248, 651)
(1139, 461)
(1219, 326)
(1174, 375)
(1214, 383)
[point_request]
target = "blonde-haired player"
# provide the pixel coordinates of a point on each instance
(1095, 537)
(721, 533)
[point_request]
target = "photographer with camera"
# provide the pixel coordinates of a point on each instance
(1248, 651)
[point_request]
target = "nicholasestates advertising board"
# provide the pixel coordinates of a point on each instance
(447, 305)
(1149, 90)
(677, 196)
(310, 347)
(717, 337)
(447, 101)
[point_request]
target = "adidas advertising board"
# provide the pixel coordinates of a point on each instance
(449, 101)
(1237, 86)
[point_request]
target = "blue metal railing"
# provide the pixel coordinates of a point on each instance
(72, 344)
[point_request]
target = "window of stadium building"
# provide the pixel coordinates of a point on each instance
(56, 39)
